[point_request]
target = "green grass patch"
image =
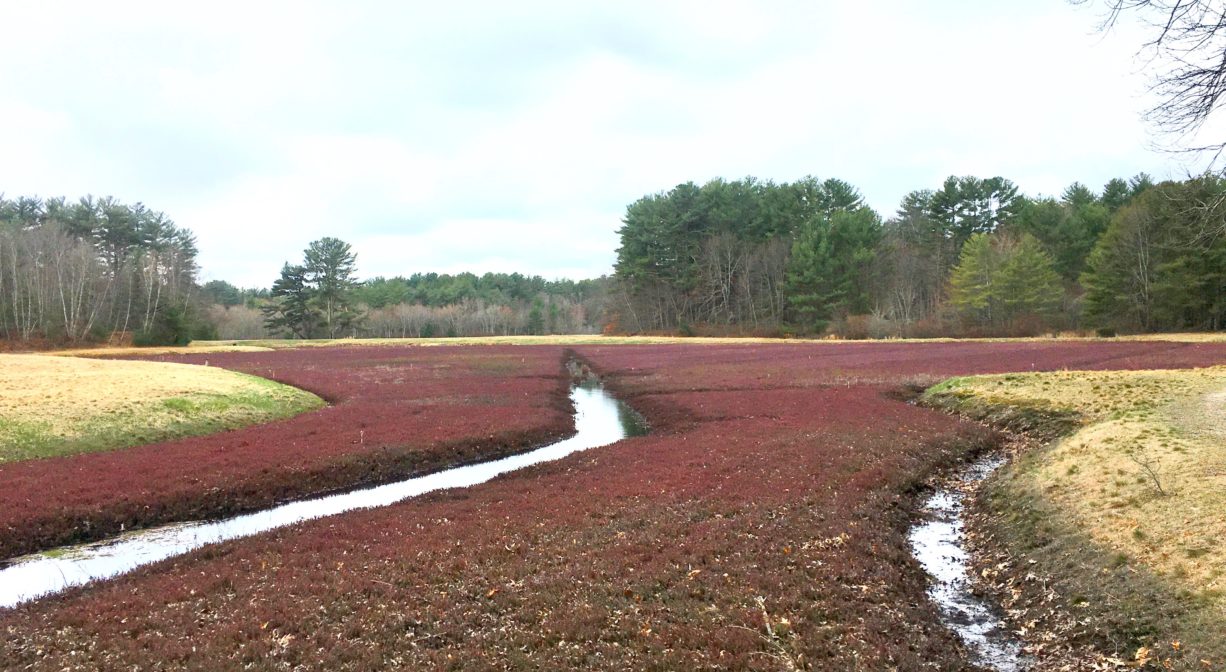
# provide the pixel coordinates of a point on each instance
(154, 420)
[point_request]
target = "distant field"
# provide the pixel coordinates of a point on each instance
(263, 345)
(51, 406)
(597, 339)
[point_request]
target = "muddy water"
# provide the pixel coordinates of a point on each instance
(939, 545)
(600, 419)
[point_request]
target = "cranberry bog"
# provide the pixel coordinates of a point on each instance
(393, 412)
(761, 525)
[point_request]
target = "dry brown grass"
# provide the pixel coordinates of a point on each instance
(554, 339)
(1146, 474)
(200, 347)
(262, 345)
(597, 339)
(61, 405)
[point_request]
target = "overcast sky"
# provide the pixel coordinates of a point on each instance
(510, 136)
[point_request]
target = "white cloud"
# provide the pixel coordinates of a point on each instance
(571, 242)
(511, 136)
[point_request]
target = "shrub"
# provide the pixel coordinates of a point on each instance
(929, 327)
(171, 326)
(860, 327)
(852, 327)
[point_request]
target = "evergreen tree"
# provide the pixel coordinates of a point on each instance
(970, 282)
(827, 275)
(1027, 283)
(1155, 268)
(1116, 195)
(1067, 229)
(330, 265)
(964, 206)
(222, 293)
(536, 318)
(1140, 183)
(838, 195)
(1121, 272)
(290, 308)
(999, 280)
(1078, 195)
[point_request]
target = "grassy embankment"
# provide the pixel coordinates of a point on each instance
(1120, 522)
(53, 406)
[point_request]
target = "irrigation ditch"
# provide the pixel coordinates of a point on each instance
(600, 419)
(938, 542)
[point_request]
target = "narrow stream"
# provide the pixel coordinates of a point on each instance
(939, 545)
(600, 419)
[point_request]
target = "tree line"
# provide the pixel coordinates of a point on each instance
(972, 257)
(93, 268)
(321, 298)
(717, 255)
(492, 304)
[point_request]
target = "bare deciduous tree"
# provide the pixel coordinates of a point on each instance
(1188, 50)
(79, 271)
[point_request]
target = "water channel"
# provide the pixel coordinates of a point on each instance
(939, 544)
(600, 419)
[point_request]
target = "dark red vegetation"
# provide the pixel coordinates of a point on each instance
(760, 526)
(393, 412)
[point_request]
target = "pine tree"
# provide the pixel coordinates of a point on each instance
(290, 309)
(1116, 195)
(330, 265)
(970, 283)
(1000, 279)
(827, 273)
(536, 318)
(1027, 283)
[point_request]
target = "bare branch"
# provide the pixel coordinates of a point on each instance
(1152, 470)
(1189, 54)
